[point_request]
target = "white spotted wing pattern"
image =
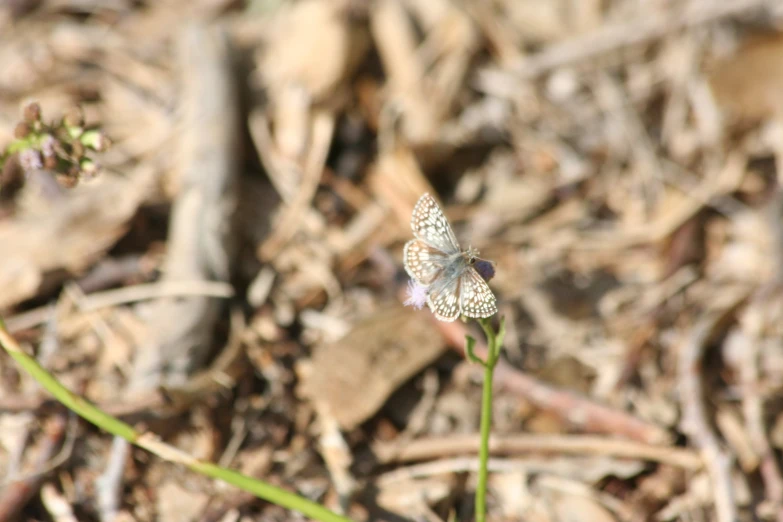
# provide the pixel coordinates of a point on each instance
(434, 260)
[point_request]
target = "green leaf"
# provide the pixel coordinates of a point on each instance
(470, 346)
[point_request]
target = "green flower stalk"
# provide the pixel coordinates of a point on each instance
(494, 344)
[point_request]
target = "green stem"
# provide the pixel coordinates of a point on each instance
(486, 424)
(151, 443)
(494, 343)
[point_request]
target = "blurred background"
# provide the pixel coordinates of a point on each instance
(229, 274)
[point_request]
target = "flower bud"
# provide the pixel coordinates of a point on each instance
(96, 140)
(77, 149)
(47, 146)
(88, 167)
(22, 130)
(32, 112)
(50, 162)
(31, 160)
(486, 269)
(74, 117)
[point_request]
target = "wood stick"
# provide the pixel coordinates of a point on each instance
(201, 240)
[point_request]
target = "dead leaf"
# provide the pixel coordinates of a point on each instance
(353, 377)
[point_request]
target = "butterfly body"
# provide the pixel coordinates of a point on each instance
(435, 261)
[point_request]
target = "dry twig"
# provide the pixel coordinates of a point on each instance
(695, 421)
(438, 447)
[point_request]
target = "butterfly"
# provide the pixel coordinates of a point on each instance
(435, 261)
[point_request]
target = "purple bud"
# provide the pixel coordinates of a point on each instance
(47, 146)
(486, 269)
(22, 130)
(31, 112)
(30, 160)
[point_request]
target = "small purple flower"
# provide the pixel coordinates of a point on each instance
(47, 146)
(30, 160)
(417, 295)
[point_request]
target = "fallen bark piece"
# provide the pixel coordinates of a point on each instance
(351, 379)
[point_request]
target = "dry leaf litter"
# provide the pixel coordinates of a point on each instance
(232, 278)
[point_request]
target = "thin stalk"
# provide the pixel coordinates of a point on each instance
(486, 425)
(494, 343)
(153, 444)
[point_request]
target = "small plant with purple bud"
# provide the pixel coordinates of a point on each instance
(64, 148)
(453, 283)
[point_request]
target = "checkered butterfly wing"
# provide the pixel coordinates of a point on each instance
(423, 262)
(443, 298)
(426, 256)
(430, 225)
(476, 298)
